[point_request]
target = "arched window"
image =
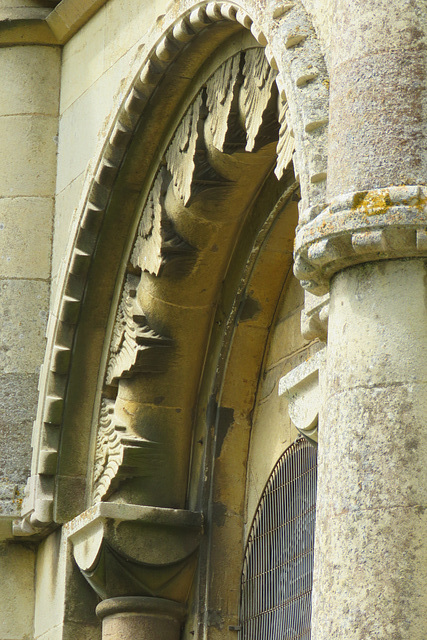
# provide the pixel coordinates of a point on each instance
(278, 566)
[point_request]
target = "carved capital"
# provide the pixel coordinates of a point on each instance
(128, 550)
(360, 227)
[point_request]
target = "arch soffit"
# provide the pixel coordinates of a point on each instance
(293, 50)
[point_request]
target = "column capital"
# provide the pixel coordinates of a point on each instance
(357, 227)
(128, 550)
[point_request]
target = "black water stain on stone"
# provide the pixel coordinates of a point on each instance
(248, 309)
(224, 421)
(218, 513)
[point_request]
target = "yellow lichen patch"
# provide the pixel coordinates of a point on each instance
(372, 203)
(421, 203)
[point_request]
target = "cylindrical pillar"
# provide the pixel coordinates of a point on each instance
(377, 95)
(371, 546)
(140, 618)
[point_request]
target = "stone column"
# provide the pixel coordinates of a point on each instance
(371, 577)
(377, 95)
(368, 247)
(134, 618)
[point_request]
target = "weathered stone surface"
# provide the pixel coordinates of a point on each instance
(65, 603)
(370, 583)
(23, 70)
(16, 591)
(25, 237)
(362, 226)
(128, 618)
(378, 63)
(18, 399)
(375, 54)
(372, 491)
(272, 430)
(303, 388)
(28, 155)
(23, 316)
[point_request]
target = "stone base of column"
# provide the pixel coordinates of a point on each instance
(140, 618)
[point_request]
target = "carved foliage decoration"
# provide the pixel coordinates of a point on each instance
(297, 32)
(120, 455)
(157, 242)
(219, 97)
(135, 347)
(180, 157)
(233, 107)
(255, 93)
(285, 145)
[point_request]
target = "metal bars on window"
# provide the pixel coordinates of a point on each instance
(278, 566)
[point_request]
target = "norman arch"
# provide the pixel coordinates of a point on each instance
(170, 297)
(139, 190)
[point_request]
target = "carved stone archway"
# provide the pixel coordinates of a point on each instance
(193, 263)
(293, 49)
(181, 226)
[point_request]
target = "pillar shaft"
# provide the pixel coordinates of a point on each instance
(377, 95)
(135, 618)
(371, 549)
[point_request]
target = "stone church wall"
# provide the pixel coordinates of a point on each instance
(66, 69)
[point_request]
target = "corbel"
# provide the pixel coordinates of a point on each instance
(302, 386)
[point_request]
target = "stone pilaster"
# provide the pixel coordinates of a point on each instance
(28, 129)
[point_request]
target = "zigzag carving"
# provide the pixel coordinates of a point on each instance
(157, 242)
(120, 456)
(135, 347)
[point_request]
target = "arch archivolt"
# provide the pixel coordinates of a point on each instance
(194, 177)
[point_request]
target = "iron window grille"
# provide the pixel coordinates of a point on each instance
(277, 572)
